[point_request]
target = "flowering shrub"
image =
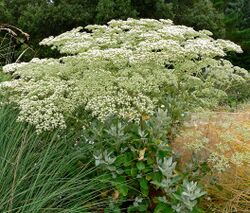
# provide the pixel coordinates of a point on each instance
(125, 69)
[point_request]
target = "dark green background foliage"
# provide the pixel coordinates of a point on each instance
(228, 19)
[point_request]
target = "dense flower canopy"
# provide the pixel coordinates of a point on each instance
(124, 69)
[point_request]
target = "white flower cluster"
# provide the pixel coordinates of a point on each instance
(8, 84)
(10, 68)
(122, 105)
(42, 114)
(122, 69)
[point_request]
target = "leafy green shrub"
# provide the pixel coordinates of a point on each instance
(142, 169)
(125, 69)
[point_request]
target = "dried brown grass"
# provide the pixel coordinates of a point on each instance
(227, 134)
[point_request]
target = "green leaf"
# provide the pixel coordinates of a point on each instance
(150, 161)
(140, 165)
(123, 189)
(121, 186)
(128, 160)
(163, 208)
(144, 183)
(149, 177)
(120, 160)
(157, 176)
(176, 196)
(143, 207)
(120, 179)
(197, 210)
(106, 210)
(132, 209)
(127, 171)
(144, 187)
(162, 154)
(133, 172)
(105, 178)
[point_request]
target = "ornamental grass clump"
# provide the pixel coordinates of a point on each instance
(124, 69)
(46, 172)
(218, 143)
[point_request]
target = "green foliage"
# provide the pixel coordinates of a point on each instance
(237, 16)
(110, 9)
(200, 15)
(44, 18)
(5, 15)
(142, 167)
(155, 9)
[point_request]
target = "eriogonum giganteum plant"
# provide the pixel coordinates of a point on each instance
(124, 69)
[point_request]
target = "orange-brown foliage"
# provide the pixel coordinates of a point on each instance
(227, 135)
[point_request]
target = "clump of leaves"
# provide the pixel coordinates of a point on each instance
(143, 172)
